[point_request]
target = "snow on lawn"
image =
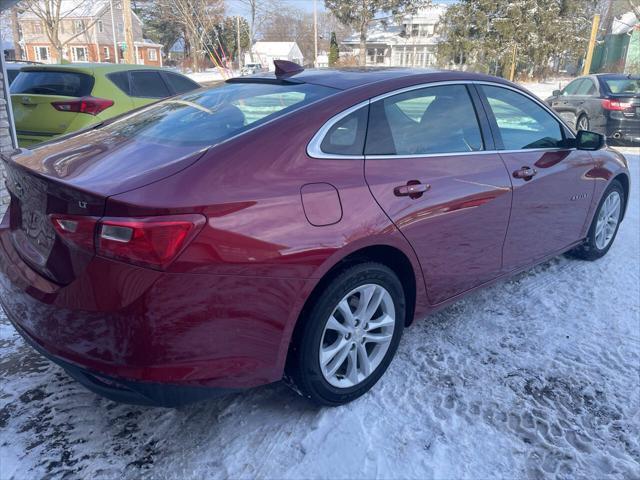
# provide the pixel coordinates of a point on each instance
(537, 376)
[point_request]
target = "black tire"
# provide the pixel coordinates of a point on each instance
(303, 370)
(589, 250)
(582, 118)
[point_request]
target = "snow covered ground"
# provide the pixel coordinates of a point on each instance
(534, 377)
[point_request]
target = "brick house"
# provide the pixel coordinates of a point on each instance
(89, 28)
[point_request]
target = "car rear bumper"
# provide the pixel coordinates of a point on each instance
(128, 391)
(146, 331)
(626, 129)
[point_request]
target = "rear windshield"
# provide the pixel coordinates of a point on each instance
(207, 117)
(69, 84)
(624, 85)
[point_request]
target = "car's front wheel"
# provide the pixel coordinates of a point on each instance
(605, 224)
(348, 337)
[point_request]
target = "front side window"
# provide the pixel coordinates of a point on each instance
(207, 117)
(522, 122)
(180, 83)
(429, 120)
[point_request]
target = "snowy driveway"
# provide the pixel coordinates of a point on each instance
(537, 376)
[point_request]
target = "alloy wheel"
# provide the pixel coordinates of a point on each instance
(608, 218)
(357, 335)
(583, 123)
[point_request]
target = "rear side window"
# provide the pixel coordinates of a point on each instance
(180, 83)
(121, 80)
(51, 82)
(12, 74)
(148, 84)
(346, 136)
(587, 87)
(522, 122)
(425, 121)
(207, 117)
(573, 87)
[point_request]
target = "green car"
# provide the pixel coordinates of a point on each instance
(53, 100)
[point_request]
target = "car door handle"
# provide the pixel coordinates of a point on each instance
(526, 173)
(413, 189)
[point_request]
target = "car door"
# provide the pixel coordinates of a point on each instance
(432, 170)
(551, 189)
(564, 104)
(583, 104)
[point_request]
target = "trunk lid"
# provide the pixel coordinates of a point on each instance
(75, 177)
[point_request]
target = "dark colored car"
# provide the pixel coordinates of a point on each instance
(290, 225)
(606, 103)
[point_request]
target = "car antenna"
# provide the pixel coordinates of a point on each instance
(285, 67)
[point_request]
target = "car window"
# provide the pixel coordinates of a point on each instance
(148, 84)
(12, 74)
(623, 85)
(207, 117)
(573, 87)
(51, 82)
(521, 121)
(180, 83)
(121, 80)
(587, 87)
(346, 136)
(429, 120)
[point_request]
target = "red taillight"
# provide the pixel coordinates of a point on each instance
(150, 241)
(90, 105)
(616, 105)
(76, 229)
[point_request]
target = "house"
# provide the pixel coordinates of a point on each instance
(87, 31)
(266, 52)
(410, 42)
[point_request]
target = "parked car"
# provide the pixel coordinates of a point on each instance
(606, 103)
(290, 225)
(14, 67)
(53, 100)
(252, 68)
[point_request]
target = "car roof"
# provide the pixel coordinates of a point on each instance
(347, 78)
(616, 76)
(90, 67)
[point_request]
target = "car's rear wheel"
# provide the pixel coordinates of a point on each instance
(582, 123)
(605, 224)
(349, 336)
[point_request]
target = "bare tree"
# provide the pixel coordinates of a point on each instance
(260, 12)
(198, 19)
(53, 12)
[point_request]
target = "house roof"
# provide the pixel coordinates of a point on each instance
(274, 48)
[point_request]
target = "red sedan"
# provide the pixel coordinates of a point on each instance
(290, 226)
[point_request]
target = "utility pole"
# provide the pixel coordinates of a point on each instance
(512, 74)
(238, 40)
(116, 53)
(592, 44)
(129, 53)
(315, 33)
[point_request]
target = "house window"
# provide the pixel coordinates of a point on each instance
(78, 26)
(80, 54)
(415, 29)
(100, 26)
(37, 27)
(106, 53)
(375, 55)
(153, 54)
(42, 54)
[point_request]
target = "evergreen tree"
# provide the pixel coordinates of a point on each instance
(334, 50)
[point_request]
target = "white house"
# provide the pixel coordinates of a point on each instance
(409, 43)
(266, 52)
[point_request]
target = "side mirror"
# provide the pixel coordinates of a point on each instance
(556, 93)
(586, 140)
